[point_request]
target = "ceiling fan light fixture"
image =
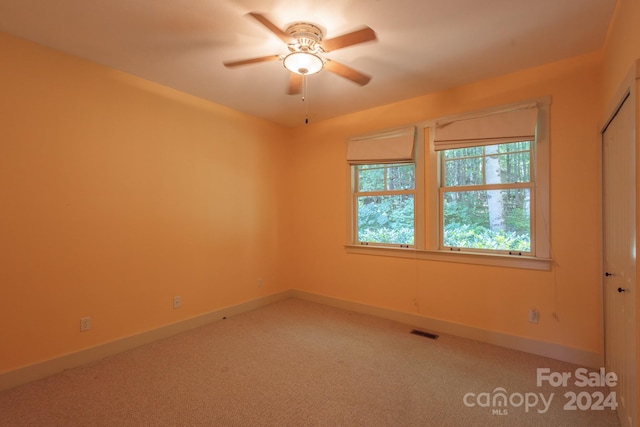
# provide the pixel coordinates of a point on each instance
(303, 63)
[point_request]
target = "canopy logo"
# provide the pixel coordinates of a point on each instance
(500, 401)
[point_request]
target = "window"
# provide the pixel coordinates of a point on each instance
(383, 188)
(491, 182)
(384, 201)
(489, 186)
(486, 194)
(474, 188)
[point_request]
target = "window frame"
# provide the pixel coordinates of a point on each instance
(353, 245)
(484, 186)
(427, 200)
(356, 193)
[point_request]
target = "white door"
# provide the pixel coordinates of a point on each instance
(619, 215)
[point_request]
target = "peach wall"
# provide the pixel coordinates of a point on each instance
(117, 194)
(622, 47)
(491, 298)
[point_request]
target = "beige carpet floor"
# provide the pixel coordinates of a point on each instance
(296, 363)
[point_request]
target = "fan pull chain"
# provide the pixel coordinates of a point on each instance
(304, 99)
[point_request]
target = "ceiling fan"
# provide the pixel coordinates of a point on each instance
(306, 46)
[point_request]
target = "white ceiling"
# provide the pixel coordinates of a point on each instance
(422, 46)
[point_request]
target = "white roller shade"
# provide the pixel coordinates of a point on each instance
(508, 126)
(392, 146)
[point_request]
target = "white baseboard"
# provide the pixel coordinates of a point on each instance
(541, 348)
(49, 367)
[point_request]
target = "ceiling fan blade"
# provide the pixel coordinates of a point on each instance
(295, 84)
(271, 27)
(251, 61)
(360, 36)
(346, 72)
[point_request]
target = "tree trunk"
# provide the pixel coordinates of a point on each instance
(494, 197)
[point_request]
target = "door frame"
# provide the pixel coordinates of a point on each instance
(627, 92)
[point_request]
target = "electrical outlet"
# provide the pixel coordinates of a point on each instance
(260, 282)
(177, 302)
(85, 324)
(533, 316)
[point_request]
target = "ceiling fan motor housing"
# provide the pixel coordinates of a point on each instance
(307, 37)
(304, 58)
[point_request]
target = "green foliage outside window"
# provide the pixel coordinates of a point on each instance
(385, 203)
(496, 216)
(487, 197)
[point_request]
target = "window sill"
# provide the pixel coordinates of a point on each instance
(497, 260)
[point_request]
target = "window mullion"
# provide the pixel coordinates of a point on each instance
(383, 193)
(502, 186)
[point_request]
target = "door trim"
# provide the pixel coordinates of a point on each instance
(627, 92)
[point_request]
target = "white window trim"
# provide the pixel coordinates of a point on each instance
(529, 185)
(476, 258)
(357, 194)
(427, 211)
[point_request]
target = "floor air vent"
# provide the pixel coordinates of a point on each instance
(424, 334)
